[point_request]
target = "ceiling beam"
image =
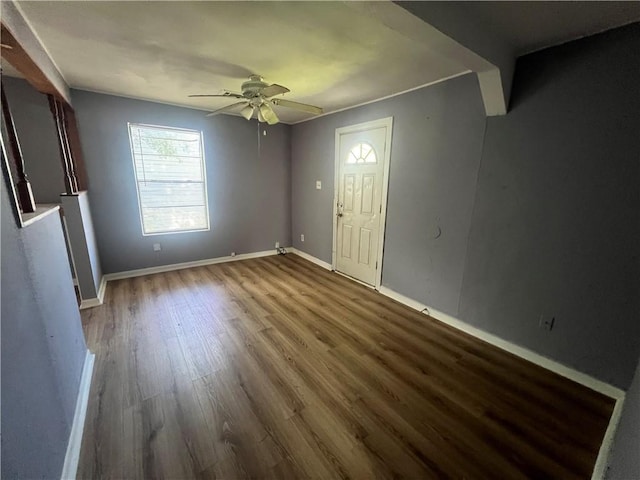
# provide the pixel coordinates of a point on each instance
(451, 34)
(24, 51)
(453, 20)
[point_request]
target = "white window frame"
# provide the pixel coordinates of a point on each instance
(137, 181)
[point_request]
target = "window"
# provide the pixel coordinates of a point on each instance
(362, 153)
(170, 176)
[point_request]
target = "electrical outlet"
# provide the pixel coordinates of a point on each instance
(318, 185)
(302, 237)
(546, 323)
(277, 244)
(157, 247)
(233, 254)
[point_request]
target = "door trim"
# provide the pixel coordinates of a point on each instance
(381, 122)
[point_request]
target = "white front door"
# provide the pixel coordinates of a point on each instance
(361, 156)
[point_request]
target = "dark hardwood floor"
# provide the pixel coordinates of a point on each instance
(275, 368)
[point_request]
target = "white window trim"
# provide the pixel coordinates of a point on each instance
(204, 179)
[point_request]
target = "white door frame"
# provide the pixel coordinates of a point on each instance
(382, 122)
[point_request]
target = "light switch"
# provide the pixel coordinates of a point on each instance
(318, 185)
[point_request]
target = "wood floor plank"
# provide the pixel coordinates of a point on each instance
(276, 368)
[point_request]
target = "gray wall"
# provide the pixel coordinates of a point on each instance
(435, 155)
(556, 225)
(624, 461)
(37, 135)
(249, 194)
(43, 347)
(540, 217)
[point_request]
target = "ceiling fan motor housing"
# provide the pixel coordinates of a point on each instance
(256, 98)
(252, 87)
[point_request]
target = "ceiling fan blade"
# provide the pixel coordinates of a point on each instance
(247, 112)
(260, 117)
(225, 95)
(225, 109)
(298, 106)
(274, 89)
(268, 114)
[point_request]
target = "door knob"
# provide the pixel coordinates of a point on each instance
(340, 214)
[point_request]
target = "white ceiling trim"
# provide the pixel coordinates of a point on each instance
(450, 77)
(142, 99)
(286, 123)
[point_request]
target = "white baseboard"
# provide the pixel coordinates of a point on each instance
(90, 303)
(311, 258)
(102, 289)
(179, 266)
(72, 457)
(554, 366)
(97, 301)
(602, 461)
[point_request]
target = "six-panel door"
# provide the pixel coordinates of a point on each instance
(360, 177)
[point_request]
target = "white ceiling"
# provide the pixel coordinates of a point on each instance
(325, 53)
(328, 53)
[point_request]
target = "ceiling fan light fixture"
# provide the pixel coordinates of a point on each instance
(247, 112)
(268, 114)
(256, 99)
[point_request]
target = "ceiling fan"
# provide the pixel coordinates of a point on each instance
(257, 97)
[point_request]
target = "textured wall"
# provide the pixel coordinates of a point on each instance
(43, 347)
(37, 135)
(249, 191)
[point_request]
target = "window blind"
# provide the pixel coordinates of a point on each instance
(170, 177)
